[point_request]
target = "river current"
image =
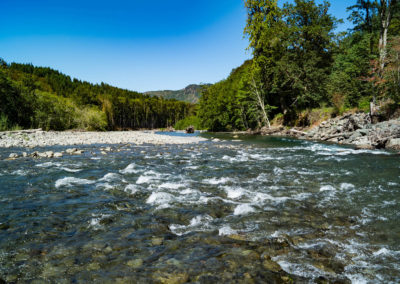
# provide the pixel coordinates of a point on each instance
(262, 209)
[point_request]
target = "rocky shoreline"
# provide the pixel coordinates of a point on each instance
(39, 138)
(350, 129)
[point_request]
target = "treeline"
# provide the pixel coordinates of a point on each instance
(299, 64)
(37, 97)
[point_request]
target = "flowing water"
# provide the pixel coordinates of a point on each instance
(251, 211)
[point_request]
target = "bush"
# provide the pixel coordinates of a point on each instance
(53, 112)
(364, 104)
(3, 122)
(92, 119)
(188, 121)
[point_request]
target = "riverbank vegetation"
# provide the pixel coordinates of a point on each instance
(37, 97)
(301, 67)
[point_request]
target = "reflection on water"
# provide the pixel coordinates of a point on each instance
(261, 209)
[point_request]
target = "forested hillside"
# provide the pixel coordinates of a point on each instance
(300, 64)
(190, 94)
(37, 97)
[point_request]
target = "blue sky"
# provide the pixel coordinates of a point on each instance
(139, 45)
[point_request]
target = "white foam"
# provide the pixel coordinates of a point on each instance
(278, 171)
(215, 181)
(104, 185)
(68, 181)
(188, 191)
(346, 186)
(243, 209)
(110, 177)
(131, 188)
(234, 192)
(147, 177)
(20, 173)
(384, 251)
(160, 198)
(48, 165)
(226, 231)
(70, 170)
(130, 169)
(95, 221)
(198, 223)
(144, 179)
(171, 185)
(327, 188)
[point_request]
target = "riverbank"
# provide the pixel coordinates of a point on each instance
(350, 129)
(39, 138)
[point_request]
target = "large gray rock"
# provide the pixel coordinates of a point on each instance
(393, 144)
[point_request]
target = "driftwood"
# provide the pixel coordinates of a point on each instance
(336, 136)
(298, 132)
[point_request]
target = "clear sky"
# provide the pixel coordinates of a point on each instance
(140, 45)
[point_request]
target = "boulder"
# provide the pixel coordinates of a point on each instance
(393, 144)
(190, 129)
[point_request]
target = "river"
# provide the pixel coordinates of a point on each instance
(262, 209)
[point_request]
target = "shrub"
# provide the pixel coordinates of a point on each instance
(92, 119)
(186, 122)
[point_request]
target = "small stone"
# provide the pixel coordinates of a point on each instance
(135, 263)
(24, 154)
(108, 149)
(103, 153)
(176, 278)
(94, 266)
(78, 152)
(216, 140)
(58, 155)
(237, 237)
(157, 241)
(13, 156)
(271, 265)
(72, 150)
(49, 154)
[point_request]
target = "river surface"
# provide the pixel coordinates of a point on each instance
(263, 209)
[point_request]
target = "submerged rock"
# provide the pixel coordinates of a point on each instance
(135, 263)
(13, 156)
(174, 278)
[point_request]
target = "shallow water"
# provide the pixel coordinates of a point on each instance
(261, 209)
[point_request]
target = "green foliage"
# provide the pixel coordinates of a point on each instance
(222, 107)
(351, 70)
(42, 97)
(91, 118)
(188, 121)
(190, 94)
(4, 124)
(300, 65)
(52, 112)
(364, 104)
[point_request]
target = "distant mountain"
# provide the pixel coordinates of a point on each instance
(189, 94)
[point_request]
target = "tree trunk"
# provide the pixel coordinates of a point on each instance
(261, 104)
(385, 19)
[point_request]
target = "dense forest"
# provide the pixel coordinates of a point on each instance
(300, 65)
(37, 97)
